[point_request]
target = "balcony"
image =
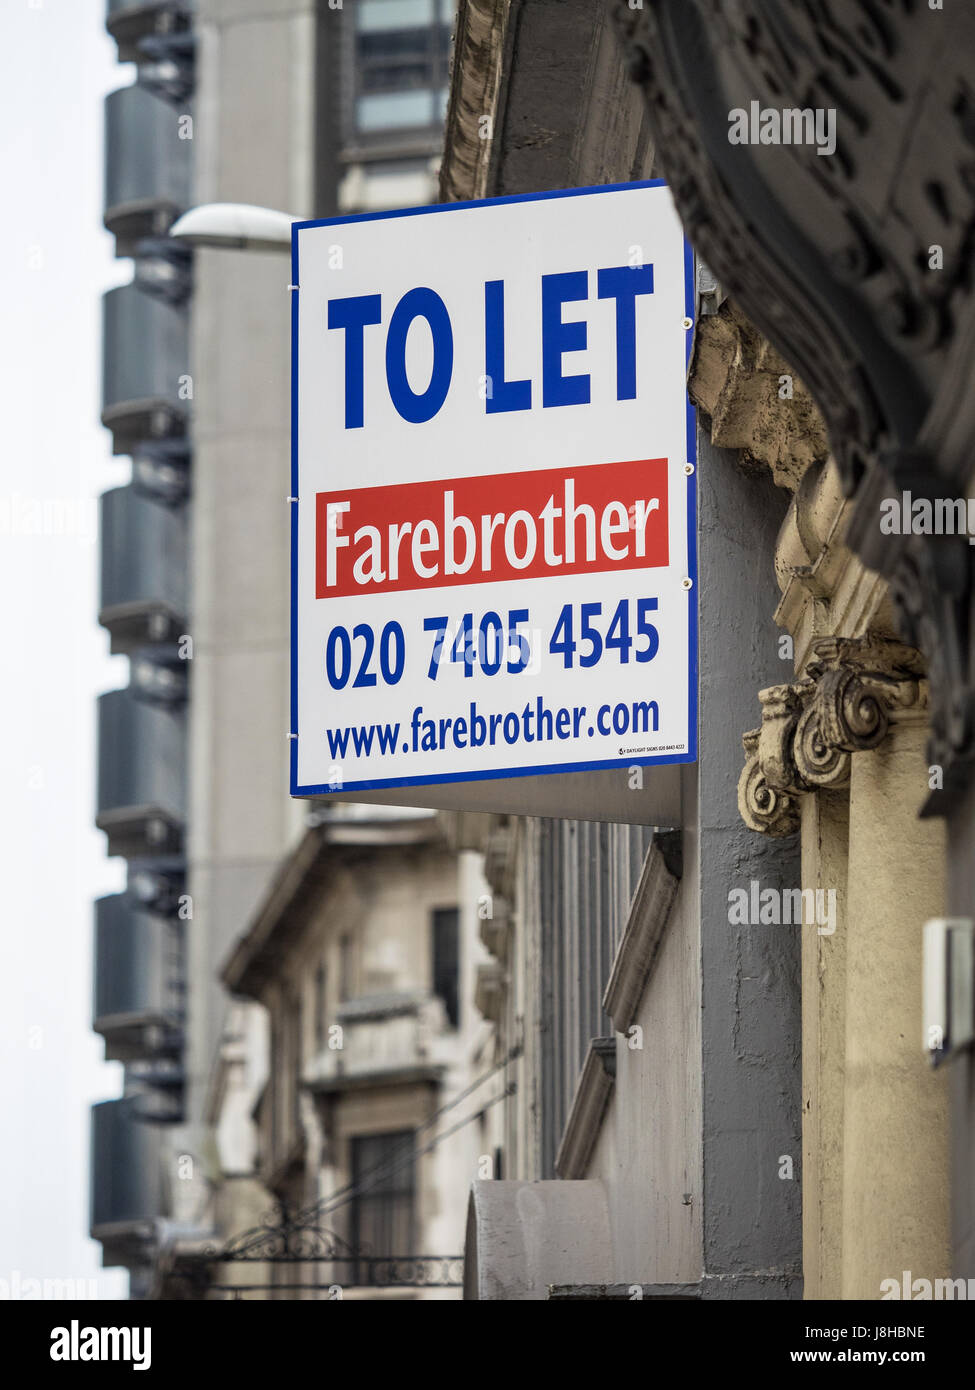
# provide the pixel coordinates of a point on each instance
(131, 21)
(141, 774)
(385, 1039)
(139, 981)
(157, 674)
(148, 168)
(167, 64)
(164, 268)
(158, 885)
(157, 1089)
(144, 363)
(143, 581)
(127, 1182)
(162, 470)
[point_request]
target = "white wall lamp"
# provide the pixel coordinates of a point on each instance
(235, 226)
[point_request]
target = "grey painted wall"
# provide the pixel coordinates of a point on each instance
(750, 986)
(709, 1101)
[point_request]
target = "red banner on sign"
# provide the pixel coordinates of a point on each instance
(502, 526)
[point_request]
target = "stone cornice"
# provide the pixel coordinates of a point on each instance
(852, 691)
(489, 990)
(495, 929)
(825, 587)
(735, 378)
(479, 45)
(596, 1082)
(645, 926)
(500, 850)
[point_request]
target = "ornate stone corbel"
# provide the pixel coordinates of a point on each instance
(764, 807)
(752, 398)
(844, 703)
(834, 262)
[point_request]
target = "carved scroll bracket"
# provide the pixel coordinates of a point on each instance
(851, 692)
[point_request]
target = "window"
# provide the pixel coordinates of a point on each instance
(345, 968)
(284, 1092)
(273, 1091)
(589, 872)
(321, 1008)
(401, 62)
(446, 960)
(294, 1063)
(286, 1063)
(384, 1183)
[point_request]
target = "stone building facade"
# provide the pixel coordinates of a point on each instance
(346, 1143)
(746, 1111)
(858, 268)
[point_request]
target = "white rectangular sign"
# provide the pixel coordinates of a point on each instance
(493, 514)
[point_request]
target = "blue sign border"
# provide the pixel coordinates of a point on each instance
(692, 603)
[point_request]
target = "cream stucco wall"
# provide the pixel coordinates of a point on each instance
(649, 1146)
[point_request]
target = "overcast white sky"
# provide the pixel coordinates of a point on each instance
(56, 64)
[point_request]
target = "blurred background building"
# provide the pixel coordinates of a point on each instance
(291, 993)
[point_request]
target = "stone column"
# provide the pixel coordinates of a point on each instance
(895, 1156)
(825, 837)
(875, 1119)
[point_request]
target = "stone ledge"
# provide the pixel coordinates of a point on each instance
(645, 926)
(711, 1288)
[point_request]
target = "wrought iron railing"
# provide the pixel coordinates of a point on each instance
(330, 1265)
